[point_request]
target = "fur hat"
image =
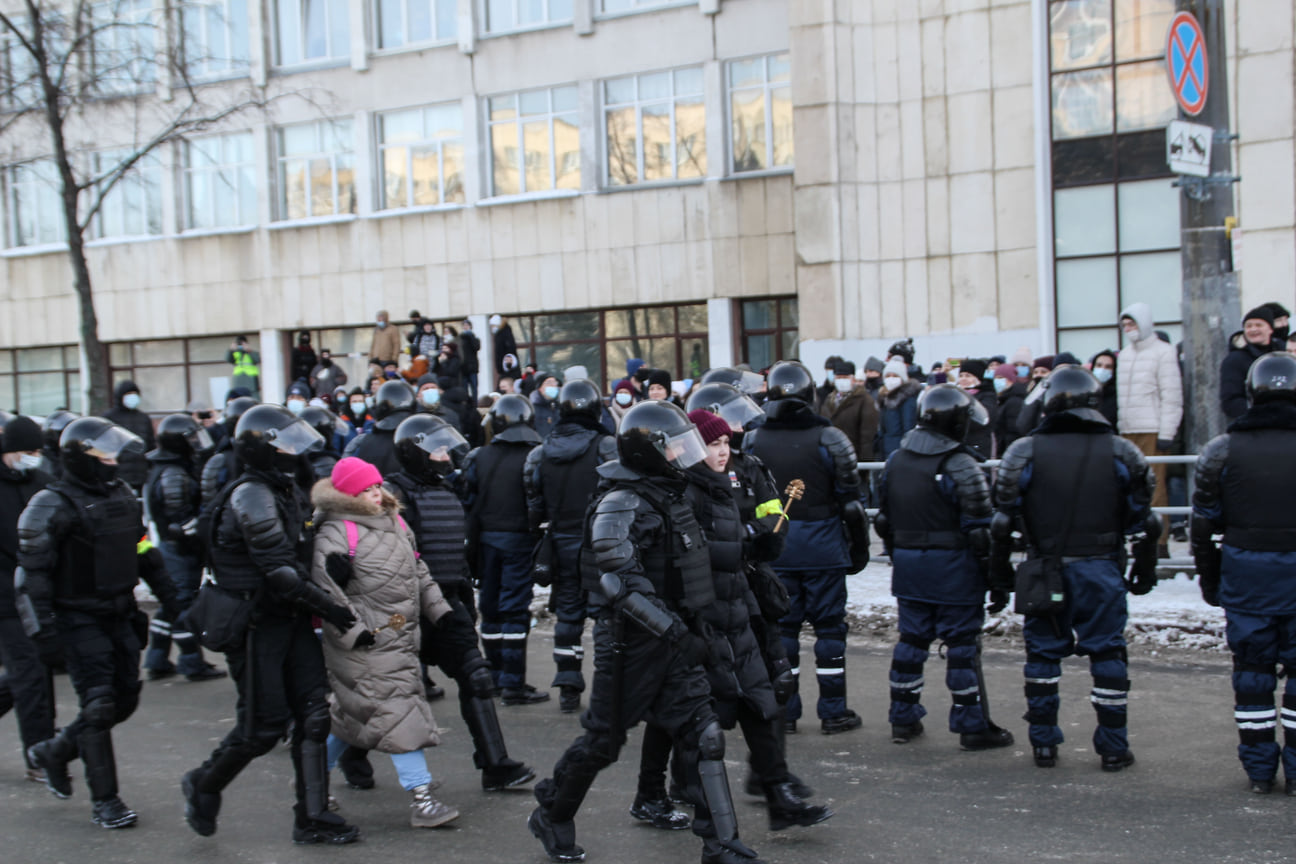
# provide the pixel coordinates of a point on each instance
(660, 376)
(351, 476)
(710, 426)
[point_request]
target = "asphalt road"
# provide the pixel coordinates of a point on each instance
(1185, 799)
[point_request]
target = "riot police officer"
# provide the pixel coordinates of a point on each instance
(79, 560)
(394, 402)
(1244, 481)
(1077, 490)
(649, 576)
(934, 516)
(501, 542)
(258, 550)
(429, 450)
(827, 533)
(223, 465)
(171, 504)
(322, 459)
(561, 478)
(52, 430)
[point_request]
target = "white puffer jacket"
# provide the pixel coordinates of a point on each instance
(1149, 388)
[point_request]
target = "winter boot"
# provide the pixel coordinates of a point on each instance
(906, 732)
(558, 838)
(428, 812)
(112, 813)
(52, 756)
(659, 813)
(326, 827)
(508, 774)
(844, 723)
(1045, 757)
(201, 808)
(731, 852)
(569, 700)
(786, 809)
(101, 776)
(524, 695)
(989, 738)
(1117, 761)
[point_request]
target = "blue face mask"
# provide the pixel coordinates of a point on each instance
(358, 408)
(1023, 371)
(1103, 375)
(551, 392)
(988, 374)
(131, 401)
(1001, 384)
(430, 397)
(296, 406)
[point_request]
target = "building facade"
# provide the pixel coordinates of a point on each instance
(692, 183)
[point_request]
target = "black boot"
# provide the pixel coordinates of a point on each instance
(356, 770)
(499, 772)
(52, 756)
(786, 809)
(101, 776)
(731, 852)
(1117, 761)
(323, 827)
(524, 695)
(659, 813)
(558, 838)
(989, 738)
(201, 808)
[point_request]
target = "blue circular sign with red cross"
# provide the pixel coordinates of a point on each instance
(1187, 64)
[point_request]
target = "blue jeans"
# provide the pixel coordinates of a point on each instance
(411, 768)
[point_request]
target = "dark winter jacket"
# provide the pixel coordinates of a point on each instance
(899, 414)
(469, 345)
(16, 489)
(504, 343)
(304, 360)
(546, 413)
(981, 438)
(133, 468)
(1233, 373)
(448, 366)
(1005, 421)
(856, 414)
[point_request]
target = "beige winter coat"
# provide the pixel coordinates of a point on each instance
(377, 701)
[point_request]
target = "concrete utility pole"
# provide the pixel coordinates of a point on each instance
(1211, 298)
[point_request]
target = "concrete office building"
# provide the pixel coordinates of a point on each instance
(693, 183)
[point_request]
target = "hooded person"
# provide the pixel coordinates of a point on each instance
(1011, 392)
(125, 413)
(303, 357)
(503, 343)
(1149, 394)
(1281, 322)
(897, 406)
(1255, 339)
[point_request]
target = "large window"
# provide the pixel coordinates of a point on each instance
(760, 113)
(40, 380)
(656, 127)
(412, 22)
(673, 338)
(173, 372)
(769, 331)
(214, 37)
(311, 30)
(122, 45)
(535, 141)
(1115, 214)
(20, 84)
(36, 204)
(505, 15)
(133, 206)
(422, 156)
(220, 181)
(316, 169)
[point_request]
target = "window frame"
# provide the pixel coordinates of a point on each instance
(212, 66)
(546, 22)
(281, 203)
(380, 148)
(639, 104)
(438, 38)
(550, 116)
(147, 171)
(188, 363)
(140, 59)
(778, 331)
(766, 88)
(334, 54)
(188, 171)
(55, 200)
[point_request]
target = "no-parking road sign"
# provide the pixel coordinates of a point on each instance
(1186, 63)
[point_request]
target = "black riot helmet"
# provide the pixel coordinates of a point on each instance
(87, 441)
(951, 411)
(745, 380)
(511, 410)
(235, 410)
(428, 447)
(1073, 390)
(1272, 378)
(658, 439)
(54, 425)
(789, 379)
(393, 398)
(269, 437)
(580, 398)
(734, 406)
(323, 421)
(182, 435)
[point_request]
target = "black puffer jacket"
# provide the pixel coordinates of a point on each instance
(735, 667)
(16, 489)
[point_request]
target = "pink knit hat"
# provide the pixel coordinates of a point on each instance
(351, 476)
(710, 426)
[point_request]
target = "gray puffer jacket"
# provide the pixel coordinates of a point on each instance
(377, 701)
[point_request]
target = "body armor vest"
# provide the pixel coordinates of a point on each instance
(792, 454)
(436, 516)
(232, 565)
(1254, 487)
(568, 488)
(921, 516)
(99, 557)
(1056, 477)
(155, 503)
(501, 498)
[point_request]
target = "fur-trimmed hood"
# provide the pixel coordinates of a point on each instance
(326, 499)
(892, 398)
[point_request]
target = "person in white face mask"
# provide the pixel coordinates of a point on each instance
(898, 406)
(1103, 366)
(623, 397)
(851, 408)
(128, 415)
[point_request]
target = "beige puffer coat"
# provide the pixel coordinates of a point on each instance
(377, 701)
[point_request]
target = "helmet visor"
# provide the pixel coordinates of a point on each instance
(443, 443)
(749, 382)
(685, 449)
(296, 438)
(113, 442)
(977, 414)
(200, 440)
(739, 412)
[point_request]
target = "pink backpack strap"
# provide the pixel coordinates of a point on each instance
(401, 520)
(353, 536)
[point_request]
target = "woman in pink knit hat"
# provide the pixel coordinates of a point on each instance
(366, 559)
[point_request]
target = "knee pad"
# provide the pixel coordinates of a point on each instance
(568, 632)
(100, 711)
(961, 653)
(711, 742)
(830, 653)
(480, 680)
(127, 702)
(600, 749)
(316, 722)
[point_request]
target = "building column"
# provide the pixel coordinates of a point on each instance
(274, 374)
(720, 332)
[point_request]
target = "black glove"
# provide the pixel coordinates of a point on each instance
(469, 599)
(1142, 576)
(765, 546)
(340, 617)
(1165, 445)
(365, 639)
(1209, 589)
(785, 683)
(339, 569)
(998, 602)
(49, 646)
